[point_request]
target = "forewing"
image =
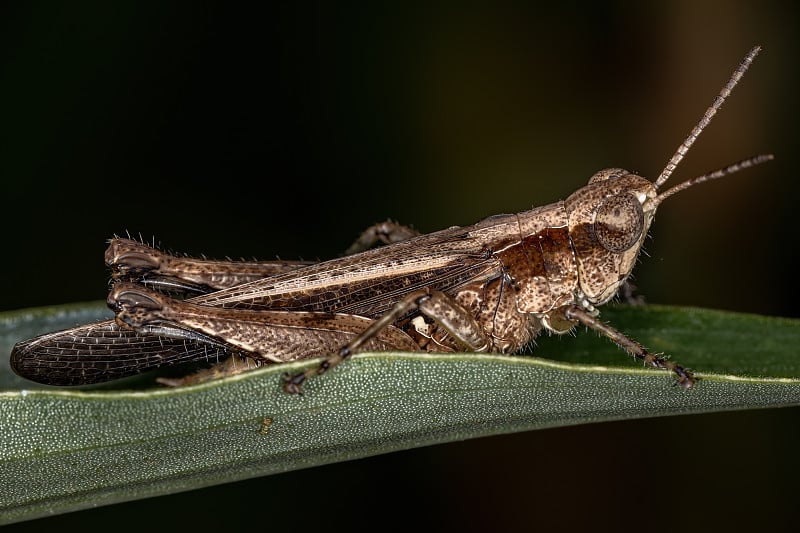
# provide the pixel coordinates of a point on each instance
(369, 283)
(101, 351)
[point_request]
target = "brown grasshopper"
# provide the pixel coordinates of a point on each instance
(490, 287)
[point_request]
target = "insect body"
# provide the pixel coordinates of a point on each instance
(490, 287)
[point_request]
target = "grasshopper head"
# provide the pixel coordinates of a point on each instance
(609, 218)
(608, 221)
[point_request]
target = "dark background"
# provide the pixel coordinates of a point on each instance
(287, 129)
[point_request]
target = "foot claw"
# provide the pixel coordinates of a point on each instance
(293, 383)
(685, 379)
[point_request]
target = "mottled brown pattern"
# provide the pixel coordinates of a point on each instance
(496, 285)
(370, 282)
(274, 335)
(131, 260)
(492, 286)
(542, 267)
(601, 271)
(493, 304)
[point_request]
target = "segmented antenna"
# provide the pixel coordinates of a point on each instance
(707, 116)
(716, 174)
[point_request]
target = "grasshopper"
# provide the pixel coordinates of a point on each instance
(489, 287)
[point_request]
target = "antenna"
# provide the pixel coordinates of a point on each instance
(719, 173)
(707, 116)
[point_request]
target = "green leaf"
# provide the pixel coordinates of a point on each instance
(63, 450)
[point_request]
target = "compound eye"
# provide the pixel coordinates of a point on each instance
(619, 222)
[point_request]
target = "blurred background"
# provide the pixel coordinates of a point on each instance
(285, 130)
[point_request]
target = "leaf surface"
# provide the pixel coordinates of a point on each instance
(68, 449)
